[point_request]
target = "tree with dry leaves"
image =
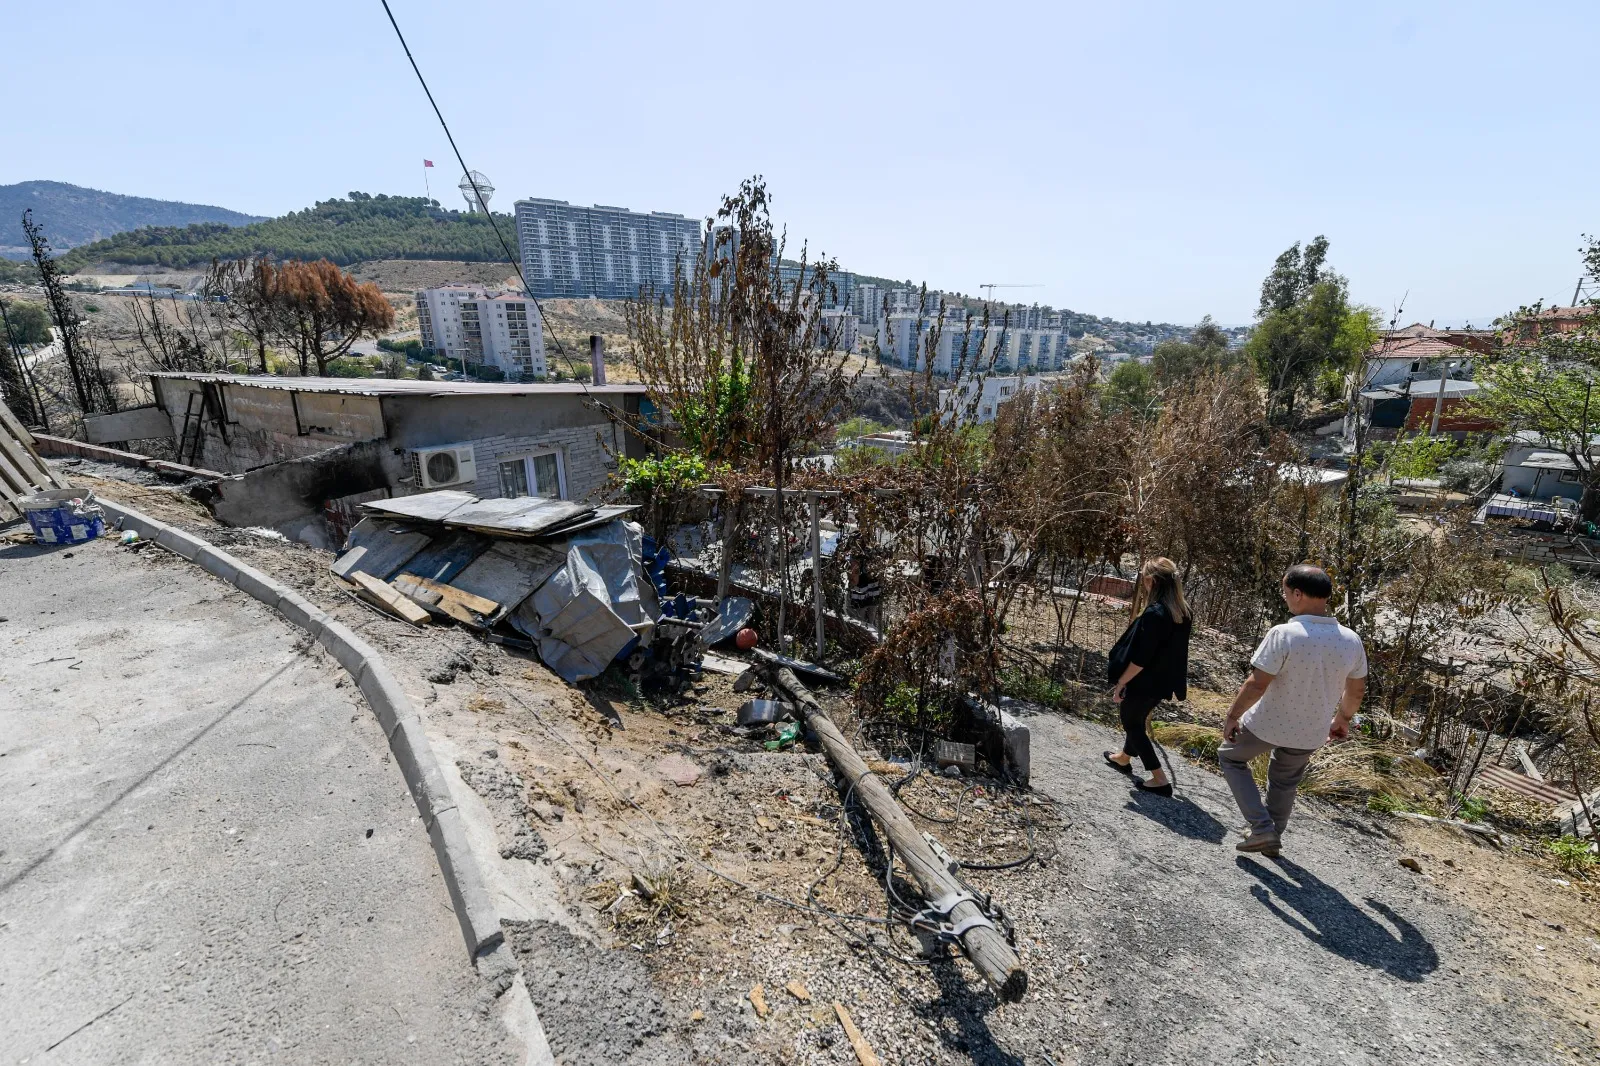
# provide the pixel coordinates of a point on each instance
(322, 311)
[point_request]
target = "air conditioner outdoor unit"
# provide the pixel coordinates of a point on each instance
(439, 468)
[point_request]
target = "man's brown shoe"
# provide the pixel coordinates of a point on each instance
(1260, 844)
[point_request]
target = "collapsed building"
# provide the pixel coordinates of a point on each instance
(307, 451)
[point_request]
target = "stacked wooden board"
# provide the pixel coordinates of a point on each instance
(22, 472)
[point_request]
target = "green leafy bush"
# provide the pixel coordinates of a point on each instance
(662, 473)
(1473, 808)
(1573, 855)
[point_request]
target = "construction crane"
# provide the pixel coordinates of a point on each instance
(991, 286)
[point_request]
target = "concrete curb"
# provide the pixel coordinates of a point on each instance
(408, 741)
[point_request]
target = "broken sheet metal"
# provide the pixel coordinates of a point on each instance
(428, 506)
(600, 517)
(593, 606)
(379, 547)
(521, 516)
(509, 571)
(448, 555)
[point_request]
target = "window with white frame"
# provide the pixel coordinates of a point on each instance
(542, 473)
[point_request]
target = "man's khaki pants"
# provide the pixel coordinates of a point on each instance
(1288, 766)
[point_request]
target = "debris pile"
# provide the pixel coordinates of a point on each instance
(573, 582)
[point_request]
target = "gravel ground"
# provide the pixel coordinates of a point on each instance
(1163, 945)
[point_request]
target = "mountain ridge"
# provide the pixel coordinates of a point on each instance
(74, 215)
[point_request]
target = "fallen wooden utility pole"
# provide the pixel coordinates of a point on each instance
(980, 940)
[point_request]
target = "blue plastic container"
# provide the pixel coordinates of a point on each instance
(56, 521)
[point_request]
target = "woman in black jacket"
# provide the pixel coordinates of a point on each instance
(1150, 663)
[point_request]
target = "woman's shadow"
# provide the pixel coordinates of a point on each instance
(1179, 814)
(1326, 917)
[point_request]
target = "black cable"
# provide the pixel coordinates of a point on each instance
(515, 261)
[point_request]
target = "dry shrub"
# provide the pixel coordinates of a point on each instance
(1357, 770)
(1196, 741)
(929, 661)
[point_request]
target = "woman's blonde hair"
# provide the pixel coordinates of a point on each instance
(1165, 588)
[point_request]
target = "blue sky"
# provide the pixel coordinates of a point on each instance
(1138, 160)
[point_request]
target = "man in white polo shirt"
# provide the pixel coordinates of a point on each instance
(1306, 682)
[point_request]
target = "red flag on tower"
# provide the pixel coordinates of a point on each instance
(427, 162)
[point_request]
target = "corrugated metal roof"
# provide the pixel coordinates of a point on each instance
(392, 387)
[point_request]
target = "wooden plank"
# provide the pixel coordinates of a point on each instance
(381, 594)
(12, 482)
(441, 591)
(1574, 822)
(25, 470)
(1526, 762)
(858, 1043)
(18, 432)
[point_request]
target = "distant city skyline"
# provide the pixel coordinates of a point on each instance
(1142, 162)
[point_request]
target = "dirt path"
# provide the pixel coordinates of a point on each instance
(1187, 952)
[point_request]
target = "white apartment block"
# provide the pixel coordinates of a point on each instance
(963, 347)
(839, 330)
(866, 301)
(498, 329)
(979, 399)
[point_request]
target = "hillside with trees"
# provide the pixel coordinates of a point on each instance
(353, 230)
(72, 215)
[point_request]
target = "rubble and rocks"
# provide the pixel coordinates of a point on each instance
(505, 794)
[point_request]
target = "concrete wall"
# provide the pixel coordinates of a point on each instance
(289, 496)
(264, 425)
(1538, 483)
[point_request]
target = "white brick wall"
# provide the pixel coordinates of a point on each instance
(583, 454)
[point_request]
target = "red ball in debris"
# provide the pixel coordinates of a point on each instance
(746, 639)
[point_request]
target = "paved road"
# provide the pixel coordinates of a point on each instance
(206, 853)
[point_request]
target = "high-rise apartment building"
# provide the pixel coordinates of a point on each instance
(498, 329)
(608, 252)
(963, 346)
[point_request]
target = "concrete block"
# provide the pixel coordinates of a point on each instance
(303, 613)
(217, 563)
(179, 542)
(350, 650)
(254, 583)
(414, 754)
(384, 695)
(1006, 742)
(475, 910)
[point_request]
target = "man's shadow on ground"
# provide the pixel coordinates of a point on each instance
(1326, 917)
(1179, 814)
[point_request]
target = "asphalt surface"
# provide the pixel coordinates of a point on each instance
(208, 854)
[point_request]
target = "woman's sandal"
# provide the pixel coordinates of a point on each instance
(1117, 766)
(1158, 790)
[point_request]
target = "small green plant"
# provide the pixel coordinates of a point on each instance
(1575, 856)
(1389, 803)
(1472, 808)
(1033, 688)
(858, 426)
